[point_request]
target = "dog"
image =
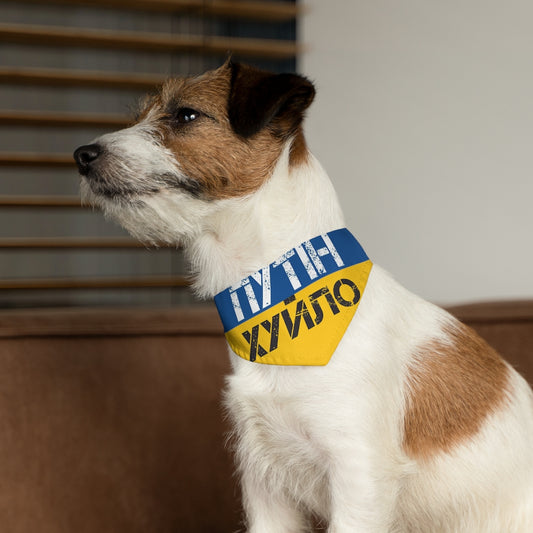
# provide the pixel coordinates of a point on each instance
(353, 401)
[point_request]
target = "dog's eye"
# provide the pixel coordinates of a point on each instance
(184, 115)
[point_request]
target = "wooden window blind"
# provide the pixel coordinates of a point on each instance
(71, 70)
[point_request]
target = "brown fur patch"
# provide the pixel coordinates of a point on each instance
(451, 390)
(299, 152)
(222, 163)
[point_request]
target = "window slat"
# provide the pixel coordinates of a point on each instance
(248, 9)
(56, 119)
(74, 243)
(72, 78)
(137, 282)
(154, 42)
(30, 159)
(40, 201)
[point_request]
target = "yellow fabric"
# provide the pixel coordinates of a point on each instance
(306, 328)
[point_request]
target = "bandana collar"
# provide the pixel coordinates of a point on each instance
(296, 310)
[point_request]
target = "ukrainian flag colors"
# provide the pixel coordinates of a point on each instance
(296, 310)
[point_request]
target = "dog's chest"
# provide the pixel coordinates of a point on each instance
(275, 438)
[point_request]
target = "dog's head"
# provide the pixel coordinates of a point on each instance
(198, 141)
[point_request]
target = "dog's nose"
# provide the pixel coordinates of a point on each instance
(85, 155)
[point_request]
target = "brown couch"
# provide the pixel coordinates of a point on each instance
(110, 420)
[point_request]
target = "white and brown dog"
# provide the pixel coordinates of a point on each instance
(414, 424)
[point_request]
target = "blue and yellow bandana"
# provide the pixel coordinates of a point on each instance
(296, 310)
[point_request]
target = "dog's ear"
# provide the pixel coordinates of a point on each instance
(259, 98)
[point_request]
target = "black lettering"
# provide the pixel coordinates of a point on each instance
(294, 327)
(288, 323)
(337, 292)
(253, 339)
(301, 309)
(273, 329)
(313, 299)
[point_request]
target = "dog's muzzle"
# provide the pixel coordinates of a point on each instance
(85, 156)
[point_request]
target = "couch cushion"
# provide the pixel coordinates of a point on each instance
(507, 326)
(111, 422)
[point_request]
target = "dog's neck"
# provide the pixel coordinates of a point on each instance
(297, 203)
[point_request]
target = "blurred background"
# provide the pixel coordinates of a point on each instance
(423, 120)
(70, 71)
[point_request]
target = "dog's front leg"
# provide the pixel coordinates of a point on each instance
(363, 492)
(268, 511)
(353, 514)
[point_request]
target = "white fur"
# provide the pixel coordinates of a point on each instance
(328, 440)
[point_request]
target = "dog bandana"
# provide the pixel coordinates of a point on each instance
(296, 310)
